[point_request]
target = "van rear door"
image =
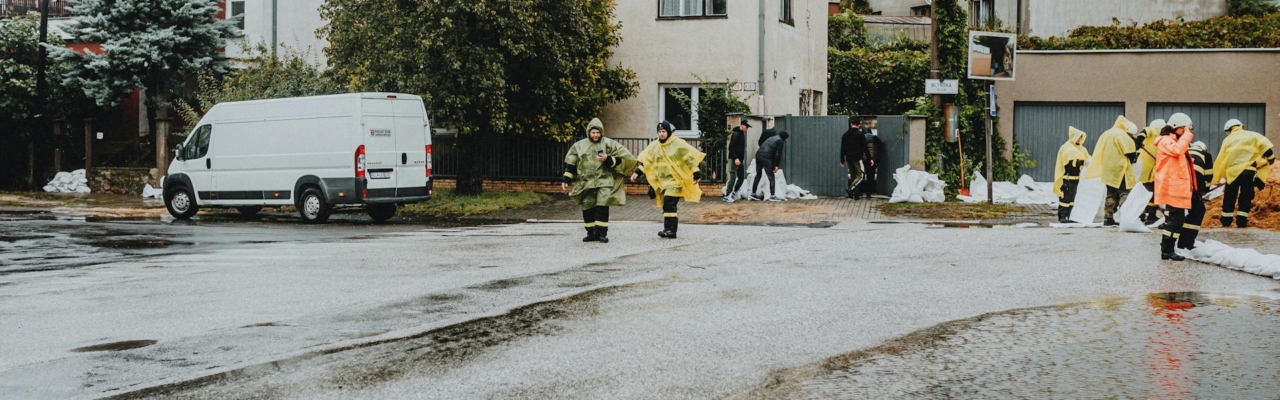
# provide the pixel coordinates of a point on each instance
(381, 157)
(411, 144)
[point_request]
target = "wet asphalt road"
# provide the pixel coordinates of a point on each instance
(273, 309)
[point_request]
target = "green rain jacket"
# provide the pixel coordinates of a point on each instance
(596, 183)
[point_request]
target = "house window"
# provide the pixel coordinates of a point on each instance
(673, 110)
(980, 12)
(692, 8)
(785, 15)
(237, 12)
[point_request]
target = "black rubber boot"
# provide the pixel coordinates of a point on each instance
(602, 234)
(1242, 222)
(1063, 215)
(669, 228)
(591, 235)
(1226, 222)
(1166, 249)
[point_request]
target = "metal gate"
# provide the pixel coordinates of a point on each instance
(1208, 119)
(1041, 128)
(811, 158)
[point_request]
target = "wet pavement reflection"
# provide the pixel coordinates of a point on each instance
(1161, 346)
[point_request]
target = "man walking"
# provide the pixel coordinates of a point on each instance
(768, 160)
(737, 152)
(596, 166)
(873, 163)
(1113, 158)
(1244, 162)
(853, 150)
(671, 165)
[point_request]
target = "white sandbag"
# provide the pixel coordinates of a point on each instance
(1129, 216)
(1089, 197)
(917, 187)
(1206, 250)
(782, 189)
(1074, 225)
(149, 192)
(1237, 258)
(50, 188)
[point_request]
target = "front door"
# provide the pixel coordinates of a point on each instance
(198, 163)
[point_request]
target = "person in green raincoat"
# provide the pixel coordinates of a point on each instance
(1066, 172)
(671, 166)
(596, 167)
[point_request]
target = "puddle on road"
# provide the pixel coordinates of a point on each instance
(1171, 345)
(116, 346)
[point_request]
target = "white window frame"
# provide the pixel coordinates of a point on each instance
(787, 12)
(693, 132)
(705, 9)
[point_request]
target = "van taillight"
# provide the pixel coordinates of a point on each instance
(360, 161)
(428, 160)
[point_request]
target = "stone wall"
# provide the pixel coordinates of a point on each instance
(121, 180)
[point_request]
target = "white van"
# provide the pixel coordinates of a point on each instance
(370, 149)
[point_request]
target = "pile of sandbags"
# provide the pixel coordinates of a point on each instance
(149, 192)
(781, 188)
(1247, 260)
(917, 187)
(68, 182)
(1026, 191)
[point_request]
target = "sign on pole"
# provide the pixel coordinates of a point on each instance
(992, 55)
(939, 86)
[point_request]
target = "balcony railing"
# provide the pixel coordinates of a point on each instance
(13, 8)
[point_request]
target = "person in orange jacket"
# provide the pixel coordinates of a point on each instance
(1174, 183)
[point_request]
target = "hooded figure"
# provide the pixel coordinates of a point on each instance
(671, 165)
(1175, 185)
(1245, 163)
(1066, 172)
(1113, 158)
(1147, 157)
(596, 167)
(853, 150)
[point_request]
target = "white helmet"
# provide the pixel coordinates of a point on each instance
(1157, 124)
(1180, 120)
(1199, 146)
(1231, 123)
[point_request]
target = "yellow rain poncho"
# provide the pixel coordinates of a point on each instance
(1110, 161)
(1241, 151)
(669, 167)
(1072, 150)
(1147, 155)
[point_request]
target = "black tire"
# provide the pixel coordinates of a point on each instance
(249, 211)
(181, 202)
(312, 207)
(380, 212)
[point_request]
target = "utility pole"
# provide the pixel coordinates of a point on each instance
(40, 133)
(935, 67)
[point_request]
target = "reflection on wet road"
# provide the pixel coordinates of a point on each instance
(1172, 345)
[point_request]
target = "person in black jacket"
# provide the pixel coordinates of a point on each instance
(853, 150)
(1202, 162)
(737, 157)
(869, 174)
(768, 158)
(768, 133)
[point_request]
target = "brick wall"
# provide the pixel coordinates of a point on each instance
(708, 189)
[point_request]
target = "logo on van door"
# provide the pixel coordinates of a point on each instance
(380, 132)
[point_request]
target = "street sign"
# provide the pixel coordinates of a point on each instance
(938, 86)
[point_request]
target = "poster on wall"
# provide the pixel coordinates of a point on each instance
(992, 55)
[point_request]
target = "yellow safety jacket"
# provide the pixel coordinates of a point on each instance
(1242, 151)
(1072, 150)
(1110, 160)
(670, 166)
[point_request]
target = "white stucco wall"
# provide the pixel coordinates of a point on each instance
(1057, 18)
(296, 26)
(665, 51)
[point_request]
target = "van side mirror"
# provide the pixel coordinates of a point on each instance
(179, 151)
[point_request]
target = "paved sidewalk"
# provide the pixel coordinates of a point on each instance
(712, 211)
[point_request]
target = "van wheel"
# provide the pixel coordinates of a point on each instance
(249, 211)
(381, 212)
(312, 207)
(181, 203)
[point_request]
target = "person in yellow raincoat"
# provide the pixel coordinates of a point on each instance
(1066, 172)
(1244, 162)
(1147, 157)
(1113, 158)
(671, 166)
(596, 167)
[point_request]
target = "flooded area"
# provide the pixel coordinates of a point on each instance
(1161, 346)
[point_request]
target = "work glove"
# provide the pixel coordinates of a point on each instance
(652, 194)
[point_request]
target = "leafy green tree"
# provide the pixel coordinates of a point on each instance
(715, 103)
(846, 31)
(262, 76)
(866, 79)
(148, 44)
(1256, 8)
(856, 6)
(485, 68)
(1247, 31)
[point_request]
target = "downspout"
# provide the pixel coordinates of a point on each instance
(1019, 29)
(274, 40)
(760, 80)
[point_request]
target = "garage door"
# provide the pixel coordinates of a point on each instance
(1041, 128)
(1209, 118)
